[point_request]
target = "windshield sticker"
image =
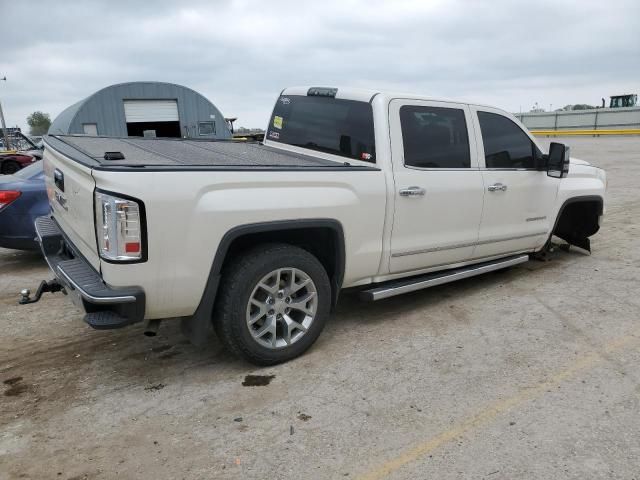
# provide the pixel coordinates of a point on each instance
(365, 156)
(285, 100)
(277, 122)
(274, 135)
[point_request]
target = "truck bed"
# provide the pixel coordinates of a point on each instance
(187, 154)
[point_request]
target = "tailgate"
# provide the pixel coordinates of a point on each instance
(70, 187)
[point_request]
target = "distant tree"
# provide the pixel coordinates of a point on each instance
(39, 123)
(582, 106)
(578, 106)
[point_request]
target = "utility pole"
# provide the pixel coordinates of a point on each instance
(4, 126)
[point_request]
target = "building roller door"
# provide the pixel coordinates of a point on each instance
(151, 111)
(156, 118)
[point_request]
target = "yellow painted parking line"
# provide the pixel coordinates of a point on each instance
(627, 131)
(492, 411)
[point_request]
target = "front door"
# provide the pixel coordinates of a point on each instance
(519, 196)
(438, 186)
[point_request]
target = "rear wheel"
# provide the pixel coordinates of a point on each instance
(9, 167)
(273, 304)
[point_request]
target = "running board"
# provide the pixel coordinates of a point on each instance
(398, 287)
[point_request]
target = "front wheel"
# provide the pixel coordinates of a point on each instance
(273, 303)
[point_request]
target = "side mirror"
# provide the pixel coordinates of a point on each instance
(558, 162)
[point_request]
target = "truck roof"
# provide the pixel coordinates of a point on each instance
(366, 95)
(188, 154)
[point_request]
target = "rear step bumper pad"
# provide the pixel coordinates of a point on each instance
(106, 307)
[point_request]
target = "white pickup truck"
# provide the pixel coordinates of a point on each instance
(380, 192)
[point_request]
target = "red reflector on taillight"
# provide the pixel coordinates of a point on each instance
(132, 247)
(8, 196)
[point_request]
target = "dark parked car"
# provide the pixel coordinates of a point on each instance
(23, 198)
(10, 163)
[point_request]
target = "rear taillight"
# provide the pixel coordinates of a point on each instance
(8, 196)
(119, 228)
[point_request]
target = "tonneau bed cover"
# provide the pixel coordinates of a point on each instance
(177, 153)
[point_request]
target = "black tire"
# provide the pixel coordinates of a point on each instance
(240, 278)
(9, 167)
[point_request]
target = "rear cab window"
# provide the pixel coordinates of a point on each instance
(324, 124)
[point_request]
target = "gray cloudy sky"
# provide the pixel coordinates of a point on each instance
(240, 54)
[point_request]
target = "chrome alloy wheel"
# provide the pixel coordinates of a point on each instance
(282, 307)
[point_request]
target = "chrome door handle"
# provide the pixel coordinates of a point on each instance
(497, 187)
(412, 192)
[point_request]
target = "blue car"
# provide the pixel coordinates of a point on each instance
(23, 198)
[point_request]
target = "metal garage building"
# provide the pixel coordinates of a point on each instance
(143, 108)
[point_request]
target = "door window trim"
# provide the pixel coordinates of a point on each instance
(466, 132)
(480, 141)
(395, 130)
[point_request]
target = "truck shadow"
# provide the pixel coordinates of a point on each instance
(128, 360)
(351, 309)
(171, 348)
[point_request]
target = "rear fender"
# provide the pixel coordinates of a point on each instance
(198, 326)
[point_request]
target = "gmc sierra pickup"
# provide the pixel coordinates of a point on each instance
(380, 192)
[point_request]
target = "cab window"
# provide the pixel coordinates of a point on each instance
(434, 137)
(505, 144)
(331, 125)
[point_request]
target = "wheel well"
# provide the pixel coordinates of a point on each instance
(578, 220)
(323, 238)
(325, 242)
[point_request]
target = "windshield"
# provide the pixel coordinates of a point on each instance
(624, 101)
(29, 172)
(330, 125)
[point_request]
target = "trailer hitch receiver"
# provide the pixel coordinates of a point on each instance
(52, 286)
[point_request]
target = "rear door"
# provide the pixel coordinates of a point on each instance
(438, 187)
(519, 197)
(70, 188)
